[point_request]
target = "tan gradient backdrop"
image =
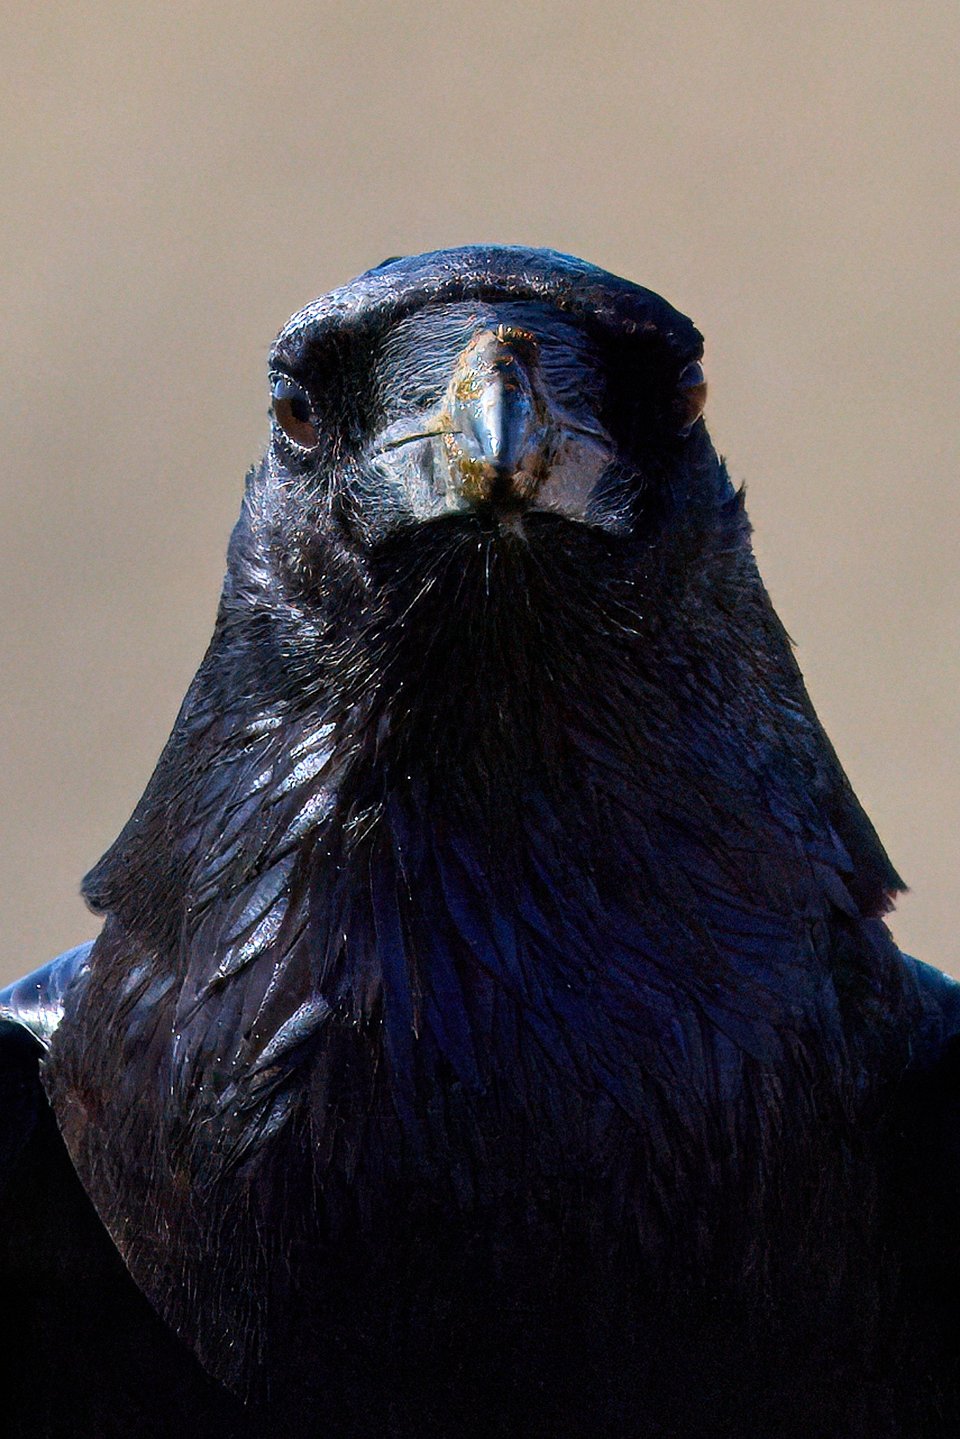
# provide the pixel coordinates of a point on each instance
(178, 178)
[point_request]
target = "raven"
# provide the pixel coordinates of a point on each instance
(493, 1029)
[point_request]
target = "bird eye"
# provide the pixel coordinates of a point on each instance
(293, 412)
(692, 390)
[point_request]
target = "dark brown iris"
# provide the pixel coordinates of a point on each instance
(294, 413)
(692, 390)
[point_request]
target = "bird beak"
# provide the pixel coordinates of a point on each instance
(504, 438)
(495, 420)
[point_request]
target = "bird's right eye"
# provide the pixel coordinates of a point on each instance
(293, 412)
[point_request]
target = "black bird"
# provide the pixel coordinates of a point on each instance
(494, 1029)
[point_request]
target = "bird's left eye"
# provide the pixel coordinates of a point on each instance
(293, 412)
(692, 391)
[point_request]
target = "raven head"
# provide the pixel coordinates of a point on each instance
(484, 465)
(464, 405)
(488, 384)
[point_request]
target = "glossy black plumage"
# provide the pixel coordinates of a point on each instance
(494, 1029)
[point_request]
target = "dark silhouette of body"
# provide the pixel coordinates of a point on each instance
(493, 1030)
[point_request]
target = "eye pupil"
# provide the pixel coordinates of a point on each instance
(294, 414)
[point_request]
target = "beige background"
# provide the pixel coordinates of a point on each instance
(178, 178)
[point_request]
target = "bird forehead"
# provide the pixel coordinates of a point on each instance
(379, 298)
(418, 355)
